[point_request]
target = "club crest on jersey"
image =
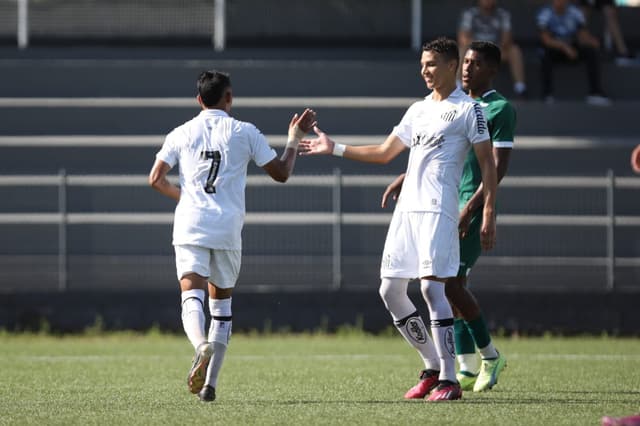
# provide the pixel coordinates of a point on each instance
(416, 330)
(433, 141)
(449, 115)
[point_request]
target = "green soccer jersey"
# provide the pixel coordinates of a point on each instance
(501, 118)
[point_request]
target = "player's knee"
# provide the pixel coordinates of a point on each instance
(454, 286)
(393, 292)
(389, 290)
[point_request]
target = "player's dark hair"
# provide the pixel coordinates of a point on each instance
(212, 86)
(489, 51)
(444, 46)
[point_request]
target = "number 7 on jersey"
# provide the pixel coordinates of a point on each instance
(209, 188)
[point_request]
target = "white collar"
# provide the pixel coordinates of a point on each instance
(213, 111)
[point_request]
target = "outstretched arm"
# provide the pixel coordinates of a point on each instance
(280, 169)
(381, 154)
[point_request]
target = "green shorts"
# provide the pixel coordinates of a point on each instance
(470, 247)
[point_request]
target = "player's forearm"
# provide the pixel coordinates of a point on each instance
(287, 162)
(367, 154)
(166, 188)
(489, 187)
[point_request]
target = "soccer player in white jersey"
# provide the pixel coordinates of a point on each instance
(213, 151)
(422, 241)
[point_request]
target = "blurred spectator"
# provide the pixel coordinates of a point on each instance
(635, 163)
(612, 26)
(565, 38)
(488, 22)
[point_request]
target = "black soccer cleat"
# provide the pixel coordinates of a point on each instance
(207, 394)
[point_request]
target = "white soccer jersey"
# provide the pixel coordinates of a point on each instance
(439, 135)
(213, 151)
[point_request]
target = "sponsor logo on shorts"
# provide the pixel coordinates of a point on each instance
(427, 263)
(387, 261)
(415, 329)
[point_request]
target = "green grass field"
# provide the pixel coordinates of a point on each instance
(305, 379)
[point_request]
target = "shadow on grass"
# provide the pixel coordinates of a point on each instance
(546, 398)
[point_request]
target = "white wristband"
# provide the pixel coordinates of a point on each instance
(338, 149)
(293, 143)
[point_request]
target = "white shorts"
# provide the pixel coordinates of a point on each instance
(221, 267)
(421, 244)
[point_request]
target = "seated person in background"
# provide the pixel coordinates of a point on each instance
(487, 22)
(612, 26)
(565, 38)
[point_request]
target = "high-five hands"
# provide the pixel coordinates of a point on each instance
(300, 126)
(318, 146)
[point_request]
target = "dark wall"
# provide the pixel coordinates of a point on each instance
(509, 312)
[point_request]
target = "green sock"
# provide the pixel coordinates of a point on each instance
(479, 331)
(463, 339)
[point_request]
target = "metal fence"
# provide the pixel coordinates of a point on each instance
(321, 232)
(201, 19)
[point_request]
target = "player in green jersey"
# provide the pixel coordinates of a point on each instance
(479, 67)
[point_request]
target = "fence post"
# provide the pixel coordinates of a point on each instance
(337, 229)
(416, 24)
(23, 24)
(611, 216)
(219, 25)
(62, 231)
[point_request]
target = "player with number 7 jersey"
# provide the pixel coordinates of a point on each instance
(213, 151)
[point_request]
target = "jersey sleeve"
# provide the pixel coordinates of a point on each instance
(505, 21)
(578, 16)
(476, 124)
(261, 152)
(170, 151)
(404, 129)
(504, 126)
(465, 21)
(543, 18)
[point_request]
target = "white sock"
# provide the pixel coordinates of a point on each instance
(193, 320)
(469, 363)
(406, 319)
(414, 331)
(441, 327)
(488, 352)
(219, 335)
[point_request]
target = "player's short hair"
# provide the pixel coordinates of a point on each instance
(489, 51)
(444, 46)
(212, 86)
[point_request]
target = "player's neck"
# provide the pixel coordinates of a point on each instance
(478, 93)
(441, 93)
(487, 11)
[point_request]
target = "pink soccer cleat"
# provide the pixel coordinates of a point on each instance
(428, 381)
(446, 391)
(621, 421)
